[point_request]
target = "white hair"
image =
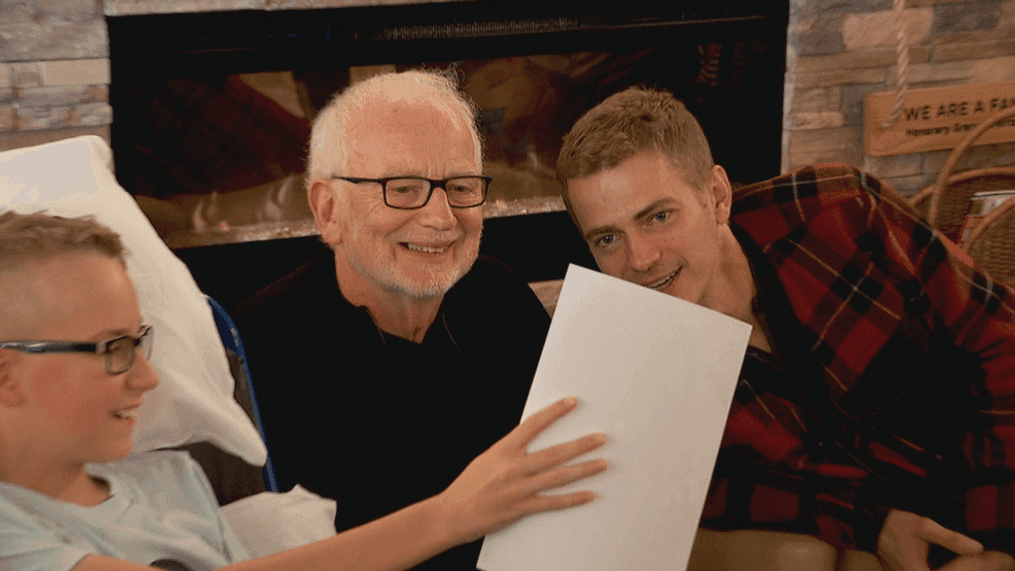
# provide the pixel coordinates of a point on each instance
(329, 138)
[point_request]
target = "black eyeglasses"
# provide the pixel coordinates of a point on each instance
(410, 192)
(118, 352)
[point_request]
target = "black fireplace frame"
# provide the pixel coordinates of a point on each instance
(330, 40)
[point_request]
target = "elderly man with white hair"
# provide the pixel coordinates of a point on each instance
(363, 357)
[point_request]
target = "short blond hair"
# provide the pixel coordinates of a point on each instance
(37, 236)
(631, 121)
(329, 136)
(27, 238)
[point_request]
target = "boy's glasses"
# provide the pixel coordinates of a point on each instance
(117, 353)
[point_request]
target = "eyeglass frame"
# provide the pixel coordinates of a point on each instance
(100, 348)
(434, 184)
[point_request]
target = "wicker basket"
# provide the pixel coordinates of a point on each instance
(991, 244)
(961, 187)
(946, 202)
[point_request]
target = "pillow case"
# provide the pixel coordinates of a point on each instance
(194, 400)
(272, 522)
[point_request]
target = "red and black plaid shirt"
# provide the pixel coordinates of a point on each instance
(892, 383)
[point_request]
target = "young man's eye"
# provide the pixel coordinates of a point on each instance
(661, 216)
(605, 241)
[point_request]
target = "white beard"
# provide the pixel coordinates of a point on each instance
(369, 261)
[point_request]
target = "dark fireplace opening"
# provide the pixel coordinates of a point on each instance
(212, 110)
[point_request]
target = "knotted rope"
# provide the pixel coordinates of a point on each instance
(902, 52)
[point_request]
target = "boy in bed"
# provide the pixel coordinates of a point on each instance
(74, 370)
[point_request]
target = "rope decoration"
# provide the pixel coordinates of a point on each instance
(902, 52)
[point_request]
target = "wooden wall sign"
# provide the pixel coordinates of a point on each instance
(938, 118)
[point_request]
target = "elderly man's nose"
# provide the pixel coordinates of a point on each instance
(437, 212)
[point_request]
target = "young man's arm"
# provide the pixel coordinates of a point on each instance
(979, 314)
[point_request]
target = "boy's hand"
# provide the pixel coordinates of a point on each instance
(504, 483)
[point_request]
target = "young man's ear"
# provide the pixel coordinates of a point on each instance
(324, 204)
(11, 394)
(722, 192)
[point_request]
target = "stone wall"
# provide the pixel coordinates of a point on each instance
(125, 7)
(841, 50)
(54, 60)
(54, 71)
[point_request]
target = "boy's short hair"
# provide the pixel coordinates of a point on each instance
(36, 236)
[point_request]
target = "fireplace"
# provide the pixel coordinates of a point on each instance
(212, 110)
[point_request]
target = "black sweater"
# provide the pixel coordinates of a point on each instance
(377, 422)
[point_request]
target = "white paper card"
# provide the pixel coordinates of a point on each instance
(657, 375)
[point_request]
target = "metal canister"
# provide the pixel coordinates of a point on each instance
(980, 206)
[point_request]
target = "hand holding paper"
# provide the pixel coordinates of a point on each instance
(503, 484)
(657, 375)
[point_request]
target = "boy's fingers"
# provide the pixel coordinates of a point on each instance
(561, 453)
(565, 475)
(532, 426)
(550, 503)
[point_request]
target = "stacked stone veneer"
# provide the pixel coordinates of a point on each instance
(54, 60)
(54, 71)
(841, 50)
(124, 7)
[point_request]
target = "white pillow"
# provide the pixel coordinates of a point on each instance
(194, 400)
(270, 522)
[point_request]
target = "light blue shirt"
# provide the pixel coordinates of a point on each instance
(161, 506)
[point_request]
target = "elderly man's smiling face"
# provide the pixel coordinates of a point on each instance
(420, 253)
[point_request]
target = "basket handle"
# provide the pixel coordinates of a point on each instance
(953, 161)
